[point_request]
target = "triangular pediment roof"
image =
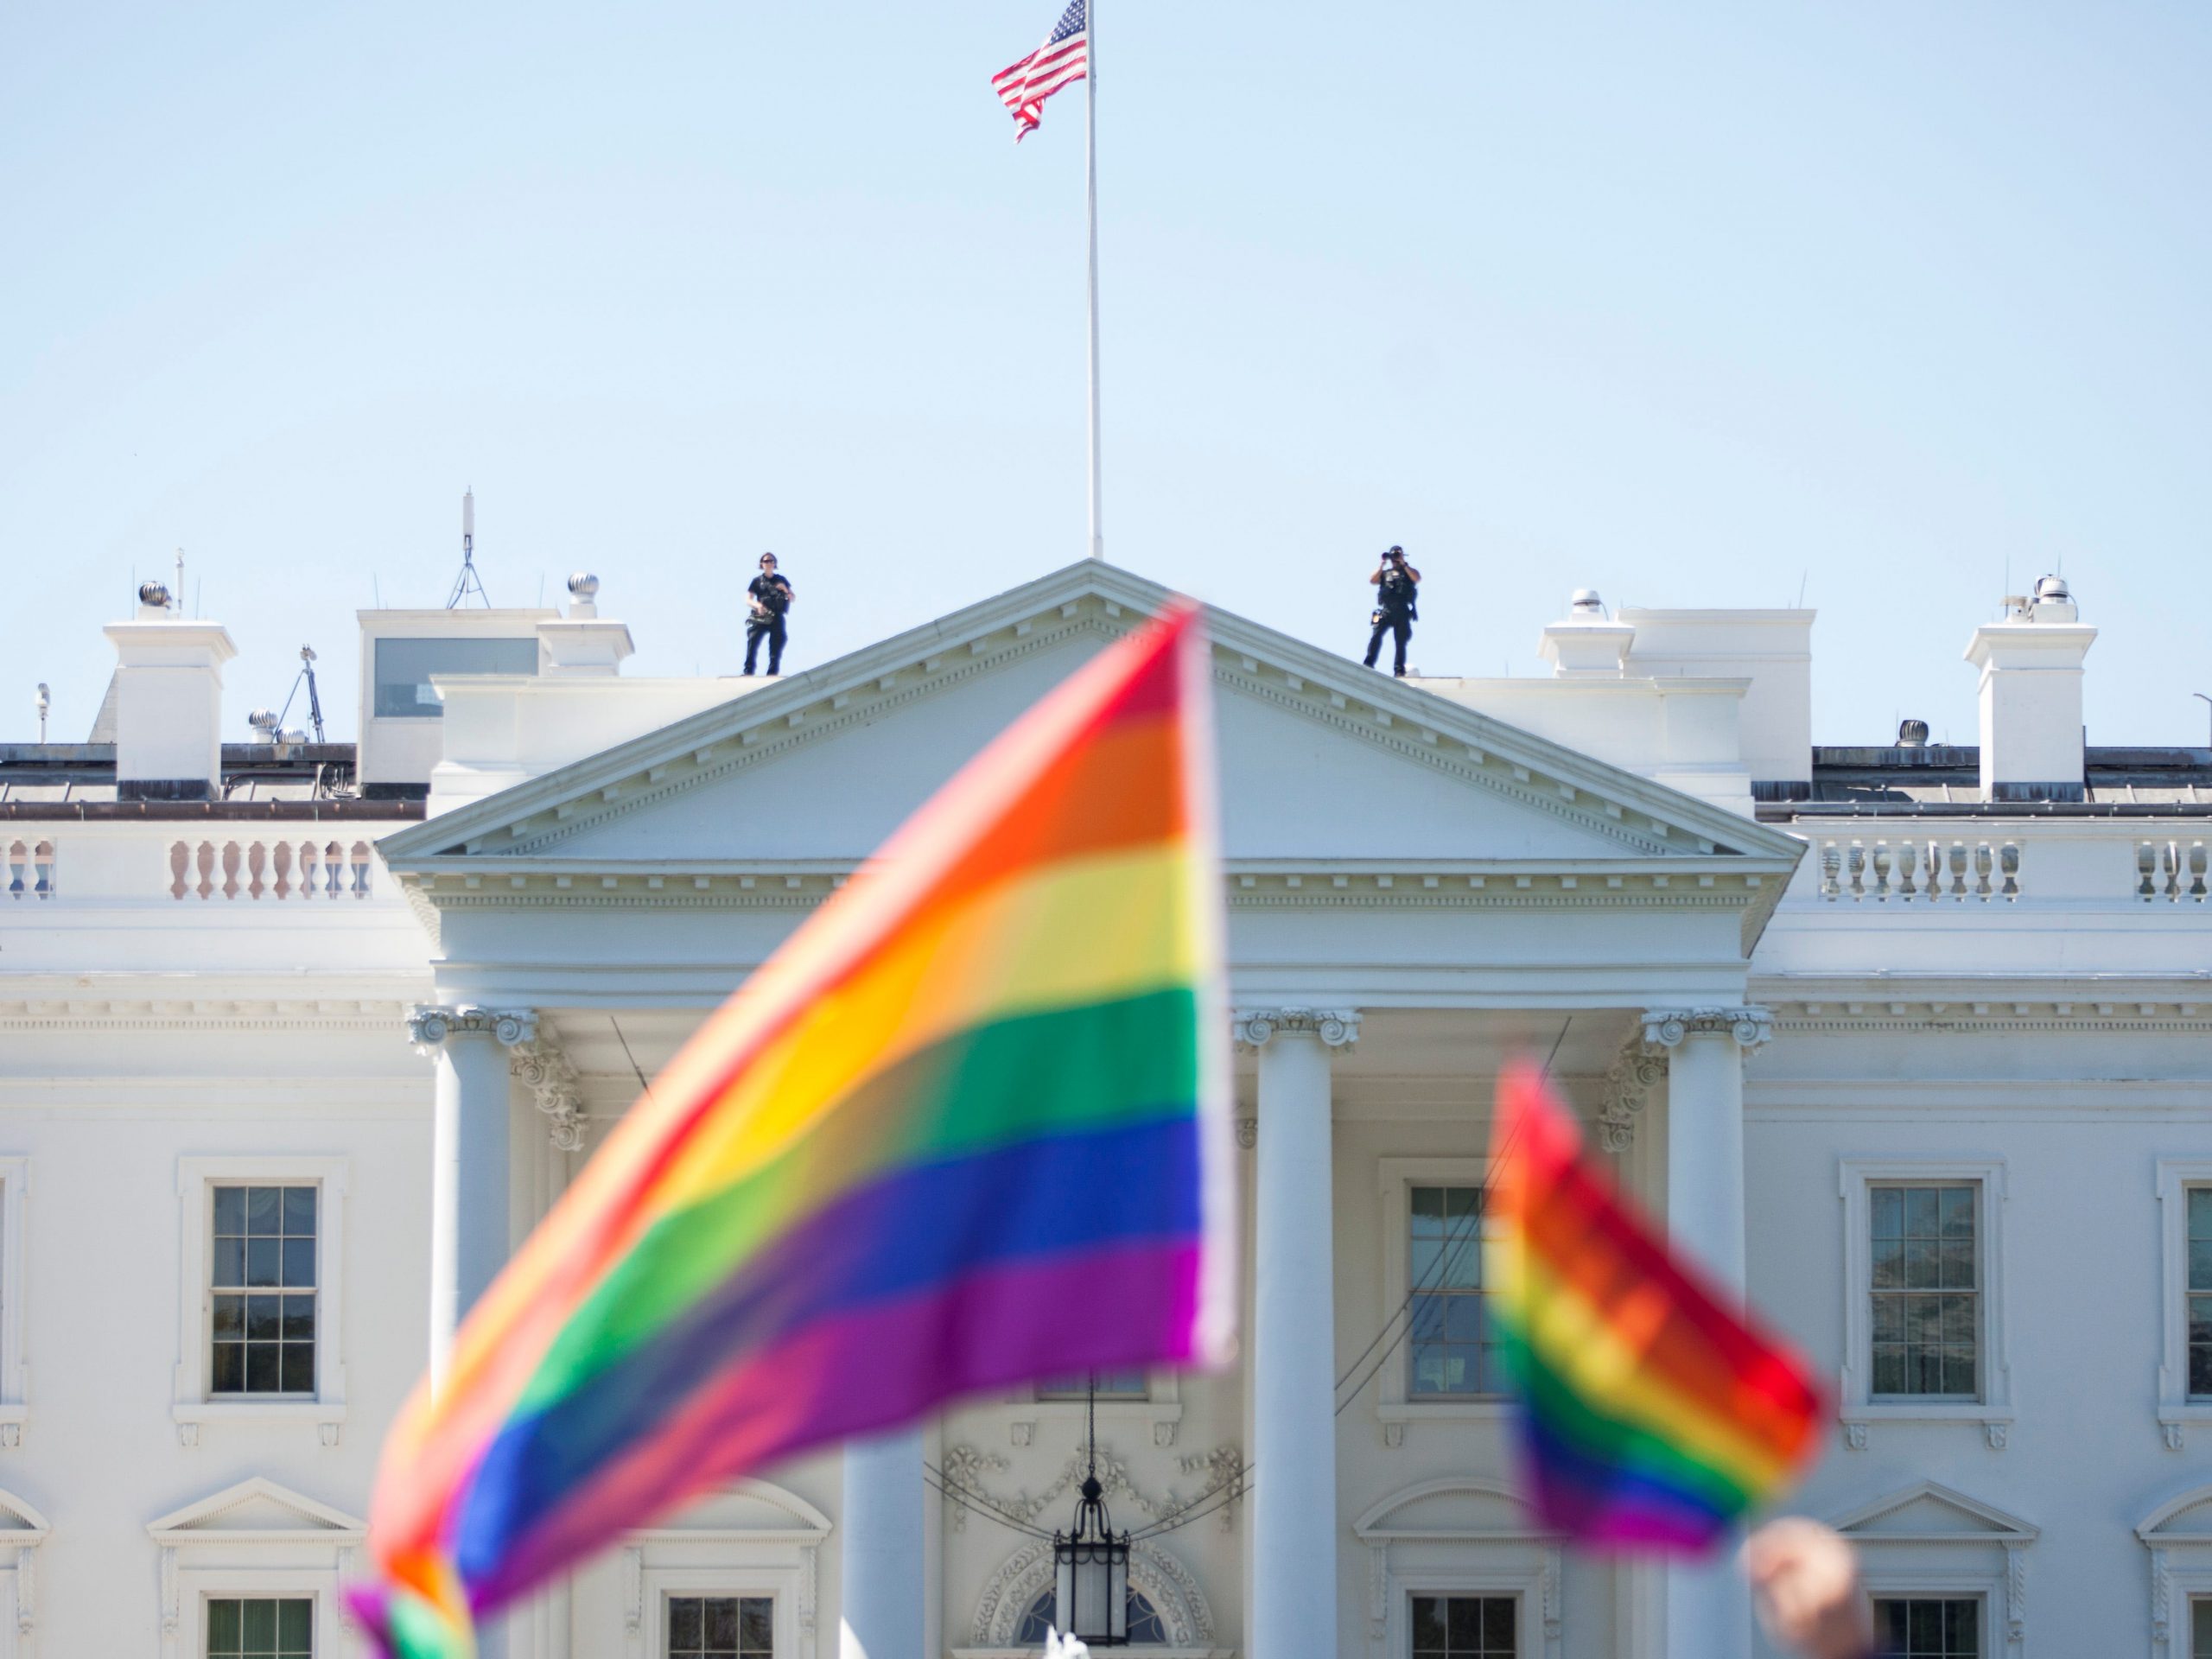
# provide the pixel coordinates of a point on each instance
(1929, 1511)
(19, 1522)
(258, 1505)
(1600, 812)
(2184, 1520)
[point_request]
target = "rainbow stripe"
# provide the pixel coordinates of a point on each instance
(969, 1127)
(1651, 1416)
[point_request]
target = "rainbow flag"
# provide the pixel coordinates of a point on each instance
(1650, 1415)
(969, 1127)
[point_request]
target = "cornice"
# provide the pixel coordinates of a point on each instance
(2150, 1005)
(199, 1013)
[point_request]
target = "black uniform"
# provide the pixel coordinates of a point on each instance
(775, 596)
(1396, 612)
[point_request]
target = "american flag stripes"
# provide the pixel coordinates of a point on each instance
(1061, 61)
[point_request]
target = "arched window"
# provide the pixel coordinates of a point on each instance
(1145, 1629)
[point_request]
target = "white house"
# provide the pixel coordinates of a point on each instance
(1910, 1040)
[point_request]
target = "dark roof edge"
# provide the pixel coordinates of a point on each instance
(333, 811)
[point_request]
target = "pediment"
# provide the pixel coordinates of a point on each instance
(258, 1505)
(1322, 760)
(1930, 1510)
(752, 1508)
(19, 1524)
(1448, 1508)
(2184, 1520)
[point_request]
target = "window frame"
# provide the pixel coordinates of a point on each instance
(663, 1594)
(1160, 1409)
(776, 1584)
(194, 1404)
(2177, 1408)
(1857, 1405)
(243, 1288)
(315, 1650)
(1517, 1596)
(1394, 1404)
(1942, 1587)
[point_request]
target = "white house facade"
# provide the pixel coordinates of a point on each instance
(1913, 1043)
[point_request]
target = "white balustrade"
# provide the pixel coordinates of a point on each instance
(275, 870)
(2170, 870)
(1930, 872)
(28, 871)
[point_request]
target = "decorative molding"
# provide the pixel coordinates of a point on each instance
(1224, 1469)
(1336, 1027)
(1854, 1434)
(23, 1529)
(1514, 1558)
(1925, 1559)
(1995, 1430)
(1666, 1029)
(1629, 1082)
(542, 1066)
(1164, 1581)
(1247, 1133)
(1993, 1008)
(304, 1550)
(431, 1025)
(963, 1467)
(219, 1013)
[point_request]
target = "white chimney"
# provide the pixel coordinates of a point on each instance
(580, 644)
(168, 703)
(1587, 644)
(2031, 665)
(1772, 650)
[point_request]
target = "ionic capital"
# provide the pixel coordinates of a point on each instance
(429, 1028)
(1336, 1027)
(1750, 1026)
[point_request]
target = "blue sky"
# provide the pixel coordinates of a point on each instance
(1696, 305)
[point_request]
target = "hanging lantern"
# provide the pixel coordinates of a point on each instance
(1090, 1565)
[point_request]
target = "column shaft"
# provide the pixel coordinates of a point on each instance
(468, 1184)
(1708, 1607)
(1293, 1359)
(882, 1548)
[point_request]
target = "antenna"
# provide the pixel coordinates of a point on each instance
(179, 589)
(44, 701)
(276, 721)
(467, 582)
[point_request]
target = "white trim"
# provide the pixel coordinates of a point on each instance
(1160, 1410)
(2176, 1408)
(1403, 1562)
(191, 1405)
(658, 1585)
(14, 1369)
(1987, 1558)
(1396, 1178)
(309, 1555)
(2181, 1571)
(23, 1529)
(1856, 1406)
(782, 1561)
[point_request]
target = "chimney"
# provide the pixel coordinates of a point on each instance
(580, 644)
(168, 703)
(2030, 664)
(1587, 644)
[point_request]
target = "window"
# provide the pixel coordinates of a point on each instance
(403, 668)
(721, 1627)
(1146, 1628)
(1449, 1351)
(2200, 1303)
(2200, 1625)
(1926, 1313)
(262, 1282)
(1928, 1627)
(1924, 1295)
(261, 1263)
(1112, 1385)
(260, 1628)
(1465, 1627)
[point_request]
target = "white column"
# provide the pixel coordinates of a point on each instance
(1295, 1531)
(469, 1135)
(1708, 1607)
(881, 1548)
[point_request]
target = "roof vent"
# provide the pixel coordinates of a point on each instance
(1584, 601)
(1912, 733)
(153, 595)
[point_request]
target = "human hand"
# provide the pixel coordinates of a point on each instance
(1805, 1583)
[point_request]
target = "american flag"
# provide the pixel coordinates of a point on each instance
(1061, 61)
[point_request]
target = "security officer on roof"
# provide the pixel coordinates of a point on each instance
(1397, 586)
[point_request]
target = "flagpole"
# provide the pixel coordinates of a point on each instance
(1090, 169)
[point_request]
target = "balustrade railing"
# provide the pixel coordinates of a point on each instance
(272, 870)
(28, 871)
(1926, 872)
(2170, 870)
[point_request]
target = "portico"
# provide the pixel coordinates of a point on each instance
(1415, 890)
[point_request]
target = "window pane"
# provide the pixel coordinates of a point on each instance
(2200, 1369)
(222, 1627)
(2200, 1264)
(229, 1377)
(2200, 1213)
(1463, 1624)
(299, 1261)
(1889, 1263)
(262, 1375)
(683, 1624)
(298, 1210)
(1498, 1625)
(230, 1261)
(1946, 1627)
(264, 1317)
(1958, 1212)
(264, 1211)
(1957, 1265)
(1889, 1368)
(756, 1626)
(1888, 1212)
(298, 1368)
(230, 1217)
(1923, 1213)
(259, 1624)
(264, 1261)
(1921, 1264)
(1889, 1320)
(1429, 1622)
(2199, 1613)
(299, 1318)
(722, 1625)
(403, 668)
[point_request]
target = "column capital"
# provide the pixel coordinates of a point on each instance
(430, 1025)
(1336, 1027)
(1750, 1024)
